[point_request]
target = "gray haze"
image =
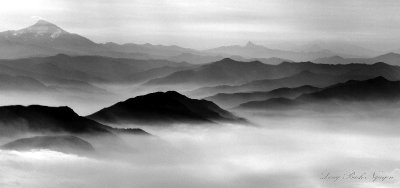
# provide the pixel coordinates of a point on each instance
(210, 23)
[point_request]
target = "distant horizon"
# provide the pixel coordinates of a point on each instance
(208, 24)
(316, 42)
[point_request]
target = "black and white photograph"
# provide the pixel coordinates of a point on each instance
(199, 94)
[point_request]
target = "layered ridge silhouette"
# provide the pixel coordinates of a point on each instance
(163, 108)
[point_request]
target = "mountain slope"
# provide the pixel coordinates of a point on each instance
(377, 89)
(154, 51)
(154, 73)
(229, 100)
(269, 104)
(226, 71)
(22, 83)
(204, 58)
(45, 119)
(81, 68)
(297, 80)
(307, 73)
(163, 108)
(47, 39)
(48, 120)
(195, 58)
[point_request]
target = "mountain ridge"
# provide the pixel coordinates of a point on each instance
(163, 108)
(18, 119)
(378, 89)
(57, 40)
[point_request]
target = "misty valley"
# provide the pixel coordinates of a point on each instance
(75, 113)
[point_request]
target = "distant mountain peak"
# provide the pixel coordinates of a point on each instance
(44, 23)
(381, 64)
(378, 79)
(42, 28)
(250, 44)
(227, 59)
(253, 45)
(390, 54)
(61, 55)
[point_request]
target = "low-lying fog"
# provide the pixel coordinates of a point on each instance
(304, 150)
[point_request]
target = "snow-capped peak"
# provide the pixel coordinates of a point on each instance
(42, 28)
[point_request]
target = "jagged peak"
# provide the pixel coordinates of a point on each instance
(250, 44)
(253, 45)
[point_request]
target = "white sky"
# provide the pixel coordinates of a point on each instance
(210, 23)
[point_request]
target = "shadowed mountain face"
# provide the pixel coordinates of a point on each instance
(163, 108)
(53, 120)
(377, 89)
(229, 100)
(43, 119)
(66, 144)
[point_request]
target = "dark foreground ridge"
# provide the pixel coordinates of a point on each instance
(62, 143)
(163, 107)
(49, 120)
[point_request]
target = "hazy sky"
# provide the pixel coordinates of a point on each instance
(210, 23)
